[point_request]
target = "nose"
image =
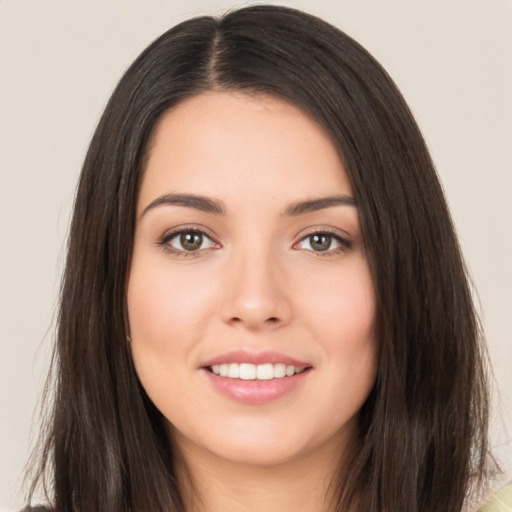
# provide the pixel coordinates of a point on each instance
(255, 293)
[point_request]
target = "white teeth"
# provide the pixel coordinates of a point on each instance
(279, 371)
(233, 371)
(265, 372)
(247, 371)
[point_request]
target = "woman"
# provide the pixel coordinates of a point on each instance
(264, 304)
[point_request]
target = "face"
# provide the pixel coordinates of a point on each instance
(250, 301)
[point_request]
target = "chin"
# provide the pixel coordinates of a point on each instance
(267, 454)
(264, 443)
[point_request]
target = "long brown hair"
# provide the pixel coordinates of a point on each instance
(424, 426)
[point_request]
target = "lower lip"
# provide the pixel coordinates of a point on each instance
(255, 392)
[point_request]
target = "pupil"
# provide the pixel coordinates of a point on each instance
(320, 242)
(191, 241)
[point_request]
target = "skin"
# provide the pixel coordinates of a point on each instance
(257, 283)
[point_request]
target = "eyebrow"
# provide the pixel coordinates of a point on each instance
(313, 205)
(208, 205)
(204, 204)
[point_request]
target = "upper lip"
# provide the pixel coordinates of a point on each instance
(256, 358)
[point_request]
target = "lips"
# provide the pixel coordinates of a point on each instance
(248, 371)
(255, 378)
(246, 365)
(256, 358)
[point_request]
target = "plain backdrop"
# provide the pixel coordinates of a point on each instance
(60, 60)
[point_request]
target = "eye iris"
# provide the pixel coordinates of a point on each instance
(191, 241)
(320, 242)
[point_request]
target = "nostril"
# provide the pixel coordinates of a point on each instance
(270, 320)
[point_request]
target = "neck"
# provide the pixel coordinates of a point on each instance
(210, 484)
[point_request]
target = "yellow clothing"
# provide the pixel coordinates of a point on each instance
(500, 501)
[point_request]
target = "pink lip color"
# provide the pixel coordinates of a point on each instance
(243, 356)
(255, 392)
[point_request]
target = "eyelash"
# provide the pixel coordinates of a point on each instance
(164, 242)
(344, 244)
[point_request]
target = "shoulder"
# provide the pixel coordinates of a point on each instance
(501, 501)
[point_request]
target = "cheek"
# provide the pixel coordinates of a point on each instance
(167, 312)
(342, 305)
(166, 306)
(341, 317)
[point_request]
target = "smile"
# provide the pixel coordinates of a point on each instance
(255, 378)
(248, 371)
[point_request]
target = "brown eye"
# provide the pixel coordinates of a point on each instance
(191, 241)
(324, 242)
(320, 242)
(187, 241)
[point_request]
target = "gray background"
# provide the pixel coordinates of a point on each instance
(59, 61)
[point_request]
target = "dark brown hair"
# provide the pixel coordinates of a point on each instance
(424, 426)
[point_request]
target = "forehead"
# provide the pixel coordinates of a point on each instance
(237, 147)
